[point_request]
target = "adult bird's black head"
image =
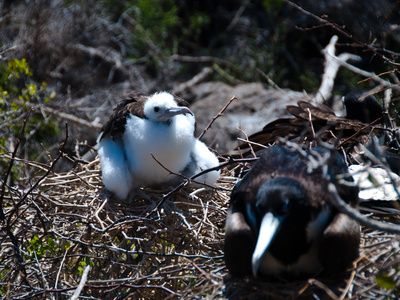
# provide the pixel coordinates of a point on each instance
(281, 221)
(363, 107)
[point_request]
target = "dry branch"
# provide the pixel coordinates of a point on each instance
(331, 68)
(94, 125)
(366, 74)
(204, 73)
(81, 284)
(356, 215)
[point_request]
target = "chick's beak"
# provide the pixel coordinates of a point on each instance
(179, 110)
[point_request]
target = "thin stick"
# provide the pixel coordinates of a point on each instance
(356, 215)
(349, 283)
(41, 178)
(370, 75)
(246, 140)
(81, 284)
(323, 287)
(95, 125)
(180, 186)
(193, 81)
(60, 268)
(221, 113)
(252, 143)
(3, 186)
(342, 30)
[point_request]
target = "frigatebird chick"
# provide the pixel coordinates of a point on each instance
(281, 221)
(148, 136)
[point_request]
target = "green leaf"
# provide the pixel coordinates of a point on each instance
(385, 281)
(67, 245)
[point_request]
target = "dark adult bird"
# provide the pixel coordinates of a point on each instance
(363, 107)
(319, 122)
(146, 135)
(280, 219)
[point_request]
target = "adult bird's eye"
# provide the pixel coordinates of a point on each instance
(156, 109)
(286, 206)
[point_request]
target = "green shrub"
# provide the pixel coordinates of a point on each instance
(18, 95)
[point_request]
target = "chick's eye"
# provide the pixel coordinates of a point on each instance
(156, 109)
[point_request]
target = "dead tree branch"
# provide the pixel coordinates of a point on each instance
(331, 69)
(204, 73)
(356, 215)
(95, 125)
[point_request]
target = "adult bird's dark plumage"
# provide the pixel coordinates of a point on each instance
(280, 219)
(363, 107)
(145, 128)
(365, 121)
(309, 123)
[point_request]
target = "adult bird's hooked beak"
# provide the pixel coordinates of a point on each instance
(268, 228)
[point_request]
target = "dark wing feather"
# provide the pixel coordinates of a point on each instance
(115, 126)
(180, 101)
(311, 122)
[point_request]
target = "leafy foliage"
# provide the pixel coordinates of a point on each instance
(18, 95)
(37, 248)
(385, 282)
(159, 28)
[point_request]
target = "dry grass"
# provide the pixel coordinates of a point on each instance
(69, 222)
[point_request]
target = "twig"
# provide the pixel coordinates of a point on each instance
(60, 268)
(96, 214)
(187, 179)
(349, 283)
(41, 273)
(323, 287)
(132, 252)
(249, 143)
(3, 186)
(370, 75)
(7, 226)
(81, 284)
(71, 118)
(342, 30)
(51, 168)
(383, 23)
(193, 81)
(180, 186)
(356, 133)
(311, 123)
(356, 215)
(198, 59)
(237, 16)
(35, 164)
(331, 69)
(221, 113)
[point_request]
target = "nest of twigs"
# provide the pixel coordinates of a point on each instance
(69, 235)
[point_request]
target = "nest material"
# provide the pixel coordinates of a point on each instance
(70, 222)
